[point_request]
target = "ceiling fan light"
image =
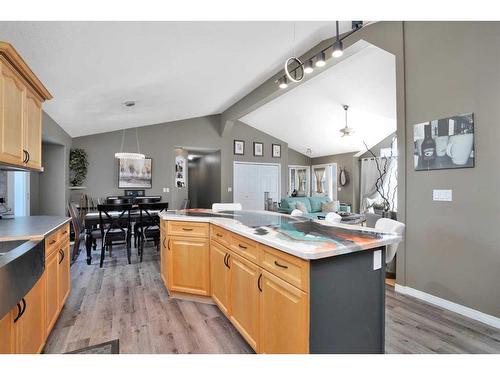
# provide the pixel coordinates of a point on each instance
(338, 49)
(283, 83)
(321, 60)
(308, 67)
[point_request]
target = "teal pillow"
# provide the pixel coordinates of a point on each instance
(316, 203)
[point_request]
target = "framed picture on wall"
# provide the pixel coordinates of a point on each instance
(135, 174)
(239, 147)
(446, 143)
(258, 149)
(276, 151)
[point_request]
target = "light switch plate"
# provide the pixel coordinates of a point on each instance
(442, 195)
(229, 189)
(166, 190)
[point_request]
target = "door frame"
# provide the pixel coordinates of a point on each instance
(258, 163)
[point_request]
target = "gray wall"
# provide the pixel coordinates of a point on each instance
(160, 141)
(40, 183)
(453, 247)
(52, 182)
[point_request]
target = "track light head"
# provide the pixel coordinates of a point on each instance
(321, 61)
(308, 67)
(283, 83)
(338, 49)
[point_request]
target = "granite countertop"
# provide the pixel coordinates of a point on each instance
(302, 237)
(30, 227)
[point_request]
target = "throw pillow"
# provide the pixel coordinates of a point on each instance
(328, 207)
(301, 206)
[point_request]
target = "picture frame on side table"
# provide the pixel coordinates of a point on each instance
(276, 151)
(239, 147)
(258, 149)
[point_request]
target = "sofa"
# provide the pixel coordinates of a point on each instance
(313, 205)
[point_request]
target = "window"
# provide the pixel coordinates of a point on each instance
(18, 192)
(325, 181)
(299, 180)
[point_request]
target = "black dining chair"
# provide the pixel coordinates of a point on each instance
(149, 224)
(114, 223)
(138, 201)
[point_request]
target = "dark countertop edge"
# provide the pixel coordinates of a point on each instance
(36, 236)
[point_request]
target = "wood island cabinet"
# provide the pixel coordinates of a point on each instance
(188, 265)
(264, 292)
(219, 281)
(7, 342)
(21, 98)
(51, 274)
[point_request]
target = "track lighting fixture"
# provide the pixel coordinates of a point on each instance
(338, 48)
(283, 83)
(296, 69)
(321, 61)
(308, 67)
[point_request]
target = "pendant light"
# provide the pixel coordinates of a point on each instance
(321, 61)
(130, 155)
(308, 67)
(346, 131)
(283, 83)
(338, 48)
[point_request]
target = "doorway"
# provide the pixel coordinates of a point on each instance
(204, 178)
(252, 180)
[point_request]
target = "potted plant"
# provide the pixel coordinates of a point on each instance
(78, 164)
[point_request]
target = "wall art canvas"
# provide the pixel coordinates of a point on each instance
(239, 147)
(135, 173)
(276, 151)
(258, 149)
(180, 171)
(444, 143)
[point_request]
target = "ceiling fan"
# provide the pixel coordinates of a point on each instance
(346, 131)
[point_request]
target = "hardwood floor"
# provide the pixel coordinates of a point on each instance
(130, 303)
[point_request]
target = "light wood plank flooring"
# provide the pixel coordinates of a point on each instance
(130, 303)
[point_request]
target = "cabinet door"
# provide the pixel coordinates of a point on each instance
(33, 131)
(188, 265)
(63, 272)
(284, 317)
(30, 328)
(244, 298)
(163, 253)
(51, 286)
(219, 276)
(7, 342)
(12, 96)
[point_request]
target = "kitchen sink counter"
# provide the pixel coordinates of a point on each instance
(30, 227)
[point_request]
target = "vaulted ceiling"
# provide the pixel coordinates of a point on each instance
(174, 70)
(311, 114)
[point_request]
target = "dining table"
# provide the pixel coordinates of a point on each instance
(92, 222)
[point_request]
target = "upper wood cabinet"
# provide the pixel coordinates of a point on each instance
(21, 98)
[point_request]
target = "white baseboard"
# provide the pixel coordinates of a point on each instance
(452, 306)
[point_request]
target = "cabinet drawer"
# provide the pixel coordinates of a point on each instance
(245, 247)
(220, 235)
(187, 229)
(287, 267)
(53, 240)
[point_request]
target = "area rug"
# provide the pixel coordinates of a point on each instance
(110, 347)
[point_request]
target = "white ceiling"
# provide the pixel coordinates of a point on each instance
(174, 70)
(311, 114)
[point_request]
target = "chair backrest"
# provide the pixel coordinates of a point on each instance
(149, 219)
(75, 218)
(184, 204)
(217, 207)
(296, 212)
(332, 217)
(120, 200)
(390, 226)
(114, 216)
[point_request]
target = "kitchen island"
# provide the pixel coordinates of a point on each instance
(288, 284)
